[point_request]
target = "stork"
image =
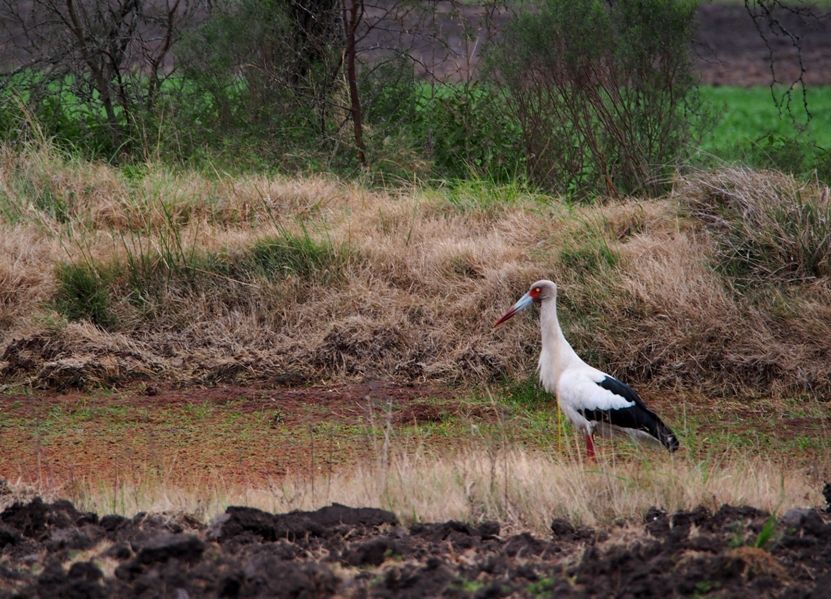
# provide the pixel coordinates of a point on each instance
(588, 397)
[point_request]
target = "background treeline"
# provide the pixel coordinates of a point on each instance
(579, 98)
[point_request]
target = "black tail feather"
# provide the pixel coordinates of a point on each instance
(663, 433)
(636, 417)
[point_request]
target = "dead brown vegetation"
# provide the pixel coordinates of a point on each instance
(521, 488)
(419, 282)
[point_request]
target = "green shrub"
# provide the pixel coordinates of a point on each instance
(467, 130)
(36, 105)
(267, 82)
(602, 91)
(83, 294)
(786, 153)
(791, 153)
(462, 129)
(299, 255)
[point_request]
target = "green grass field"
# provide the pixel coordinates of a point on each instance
(747, 125)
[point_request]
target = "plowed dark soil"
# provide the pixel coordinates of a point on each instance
(729, 48)
(732, 49)
(53, 550)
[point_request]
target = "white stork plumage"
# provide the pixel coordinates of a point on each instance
(589, 398)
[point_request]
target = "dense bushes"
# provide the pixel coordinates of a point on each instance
(267, 79)
(264, 83)
(601, 91)
(582, 98)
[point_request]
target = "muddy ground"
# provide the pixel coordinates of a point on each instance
(53, 550)
(241, 435)
(250, 435)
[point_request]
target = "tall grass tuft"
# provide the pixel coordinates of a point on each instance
(300, 255)
(587, 251)
(83, 294)
(155, 273)
(771, 228)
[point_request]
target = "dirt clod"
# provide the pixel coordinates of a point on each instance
(245, 524)
(170, 546)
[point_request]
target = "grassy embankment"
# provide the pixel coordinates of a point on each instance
(714, 298)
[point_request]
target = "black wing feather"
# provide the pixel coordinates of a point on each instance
(637, 416)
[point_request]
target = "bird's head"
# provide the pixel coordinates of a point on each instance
(538, 293)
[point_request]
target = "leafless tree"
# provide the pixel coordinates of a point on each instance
(768, 19)
(112, 53)
(268, 64)
(600, 93)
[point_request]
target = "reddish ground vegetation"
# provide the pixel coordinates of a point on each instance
(251, 435)
(241, 435)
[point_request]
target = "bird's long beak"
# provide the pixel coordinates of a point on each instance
(522, 303)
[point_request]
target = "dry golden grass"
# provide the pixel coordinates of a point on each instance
(523, 489)
(416, 283)
(27, 255)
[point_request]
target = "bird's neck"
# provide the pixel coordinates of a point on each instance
(557, 354)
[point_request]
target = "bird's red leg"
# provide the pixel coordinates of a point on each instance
(590, 448)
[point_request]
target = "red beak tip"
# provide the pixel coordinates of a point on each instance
(503, 318)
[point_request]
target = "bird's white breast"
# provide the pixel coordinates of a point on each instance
(578, 388)
(548, 372)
